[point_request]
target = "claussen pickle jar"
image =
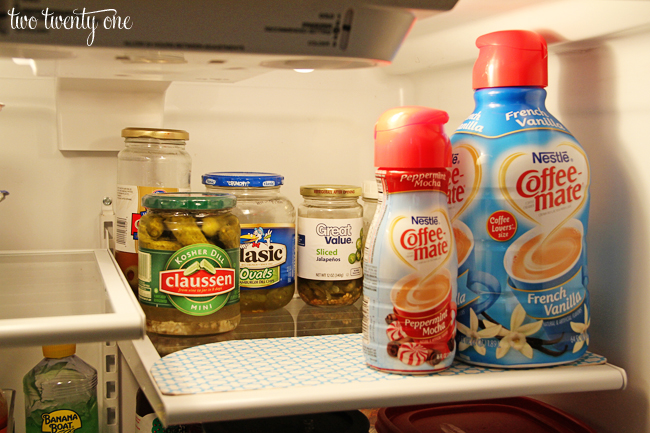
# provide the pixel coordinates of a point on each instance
(330, 232)
(268, 235)
(189, 263)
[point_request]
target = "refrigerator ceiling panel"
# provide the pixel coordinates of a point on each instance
(221, 41)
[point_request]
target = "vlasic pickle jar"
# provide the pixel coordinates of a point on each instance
(189, 263)
(330, 232)
(267, 255)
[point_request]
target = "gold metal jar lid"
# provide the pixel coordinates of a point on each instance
(340, 191)
(163, 134)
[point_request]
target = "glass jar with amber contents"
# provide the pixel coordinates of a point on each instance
(188, 252)
(330, 229)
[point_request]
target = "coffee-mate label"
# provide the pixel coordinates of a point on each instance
(519, 200)
(410, 271)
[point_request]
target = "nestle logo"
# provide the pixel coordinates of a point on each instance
(551, 157)
(424, 220)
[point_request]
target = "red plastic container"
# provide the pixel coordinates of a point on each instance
(508, 415)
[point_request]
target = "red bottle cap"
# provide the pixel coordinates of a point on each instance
(511, 58)
(412, 137)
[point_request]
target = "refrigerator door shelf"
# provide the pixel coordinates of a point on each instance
(337, 389)
(56, 297)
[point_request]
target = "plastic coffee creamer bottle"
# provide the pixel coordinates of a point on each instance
(519, 201)
(410, 265)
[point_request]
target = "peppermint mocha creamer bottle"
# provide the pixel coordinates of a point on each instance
(519, 203)
(410, 266)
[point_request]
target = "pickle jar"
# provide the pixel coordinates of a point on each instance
(330, 232)
(189, 263)
(153, 160)
(267, 251)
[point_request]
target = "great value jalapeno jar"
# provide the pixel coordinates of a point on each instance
(188, 272)
(330, 232)
(267, 248)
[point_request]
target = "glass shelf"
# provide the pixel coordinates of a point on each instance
(54, 297)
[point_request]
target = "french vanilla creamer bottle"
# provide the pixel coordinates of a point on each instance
(410, 266)
(519, 204)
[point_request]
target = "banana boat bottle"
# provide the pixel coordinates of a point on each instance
(410, 267)
(519, 204)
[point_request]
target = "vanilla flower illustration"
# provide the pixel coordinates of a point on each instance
(581, 328)
(516, 337)
(475, 335)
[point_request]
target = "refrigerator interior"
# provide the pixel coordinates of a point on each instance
(318, 128)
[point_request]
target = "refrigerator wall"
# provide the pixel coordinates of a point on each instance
(318, 128)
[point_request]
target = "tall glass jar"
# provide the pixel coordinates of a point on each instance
(268, 236)
(369, 203)
(189, 263)
(153, 160)
(330, 229)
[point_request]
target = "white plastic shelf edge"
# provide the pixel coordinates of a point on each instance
(118, 315)
(140, 356)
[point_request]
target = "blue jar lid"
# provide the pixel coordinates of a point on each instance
(242, 179)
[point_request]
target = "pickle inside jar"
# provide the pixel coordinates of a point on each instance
(172, 231)
(260, 300)
(323, 293)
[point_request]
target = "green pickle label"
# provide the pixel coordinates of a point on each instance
(198, 279)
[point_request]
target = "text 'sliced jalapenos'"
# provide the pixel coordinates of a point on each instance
(79, 19)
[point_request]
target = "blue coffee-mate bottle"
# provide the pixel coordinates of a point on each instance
(519, 203)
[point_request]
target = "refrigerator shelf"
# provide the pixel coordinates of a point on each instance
(352, 386)
(73, 296)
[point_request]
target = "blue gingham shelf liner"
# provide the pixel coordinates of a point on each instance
(285, 362)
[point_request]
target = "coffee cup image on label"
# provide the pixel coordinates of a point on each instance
(423, 322)
(464, 241)
(415, 295)
(539, 259)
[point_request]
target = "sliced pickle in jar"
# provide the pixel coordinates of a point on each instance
(330, 293)
(261, 300)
